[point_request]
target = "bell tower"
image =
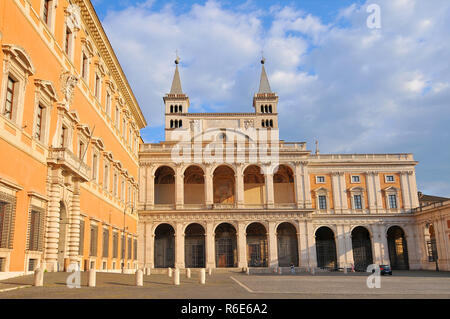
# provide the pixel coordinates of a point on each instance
(265, 102)
(176, 103)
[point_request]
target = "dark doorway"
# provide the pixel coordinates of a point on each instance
(256, 245)
(164, 246)
(225, 242)
(398, 248)
(362, 248)
(326, 249)
(194, 243)
(287, 245)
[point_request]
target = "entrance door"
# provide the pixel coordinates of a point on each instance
(224, 255)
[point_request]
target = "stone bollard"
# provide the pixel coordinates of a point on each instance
(139, 277)
(147, 271)
(313, 270)
(209, 271)
(188, 272)
(176, 277)
(275, 269)
(279, 270)
(91, 280)
(247, 271)
(202, 276)
(38, 277)
(345, 270)
(169, 272)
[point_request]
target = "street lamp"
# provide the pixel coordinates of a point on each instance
(129, 204)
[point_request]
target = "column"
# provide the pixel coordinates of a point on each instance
(141, 251)
(340, 246)
(242, 245)
(384, 246)
(150, 188)
(179, 246)
(413, 189)
(414, 262)
(52, 227)
(272, 241)
(371, 192)
(348, 245)
(299, 192)
(142, 183)
(336, 193)
(74, 229)
(343, 191)
(210, 251)
(209, 186)
(405, 191)
(302, 244)
(149, 246)
(268, 175)
(239, 185)
(312, 260)
(179, 190)
(306, 185)
(442, 243)
(377, 244)
(377, 190)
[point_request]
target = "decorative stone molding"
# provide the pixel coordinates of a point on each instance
(68, 83)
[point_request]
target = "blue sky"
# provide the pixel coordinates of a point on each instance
(355, 89)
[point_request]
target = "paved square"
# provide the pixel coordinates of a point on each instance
(236, 285)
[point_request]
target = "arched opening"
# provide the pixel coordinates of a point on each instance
(62, 241)
(326, 248)
(287, 245)
(398, 248)
(225, 244)
(223, 185)
(262, 109)
(256, 245)
(176, 108)
(362, 248)
(171, 123)
(283, 185)
(164, 246)
(194, 246)
(265, 109)
(263, 124)
(271, 123)
(171, 109)
(194, 185)
(164, 185)
(180, 108)
(430, 242)
(180, 123)
(254, 186)
(270, 108)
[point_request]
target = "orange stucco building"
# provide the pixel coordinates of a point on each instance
(69, 139)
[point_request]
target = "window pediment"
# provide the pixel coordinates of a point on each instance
(97, 141)
(85, 130)
(108, 155)
(18, 55)
(46, 88)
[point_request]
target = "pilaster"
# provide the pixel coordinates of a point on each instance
(241, 245)
(272, 236)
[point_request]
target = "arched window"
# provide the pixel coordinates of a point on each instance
(171, 109)
(262, 109)
(270, 108)
(271, 123)
(181, 108)
(265, 108)
(262, 123)
(171, 123)
(181, 123)
(267, 123)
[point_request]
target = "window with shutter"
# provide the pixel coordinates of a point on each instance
(115, 245)
(81, 245)
(93, 250)
(129, 248)
(105, 242)
(34, 231)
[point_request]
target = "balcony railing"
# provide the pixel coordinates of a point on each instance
(62, 156)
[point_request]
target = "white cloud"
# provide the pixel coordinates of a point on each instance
(356, 89)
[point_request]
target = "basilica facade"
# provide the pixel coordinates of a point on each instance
(223, 190)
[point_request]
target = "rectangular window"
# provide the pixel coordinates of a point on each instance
(63, 136)
(39, 118)
(390, 178)
(9, 103)
(94, 235)
(46, 11)
(32, 264)
(105, 242)
(129, 248)
(34, 231)
(115, 244)
(115, 184)
(320, 179)
(106, 177)
(355, 179)
(81, 150)
(135, 249)
(322, 202)
(358, 202)
(108, 104)
(84, 66)
(2, 220)
(94, 167)
(7, 216)
(81, 246)
(67, 44)
(392, 201)
(97, 86)
(117, 117)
